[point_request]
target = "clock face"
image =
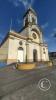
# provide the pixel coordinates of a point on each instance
(34, 35)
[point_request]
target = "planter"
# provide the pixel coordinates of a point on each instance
(25, 66)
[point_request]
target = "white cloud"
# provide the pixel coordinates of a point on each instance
(32, 1)
(45, 25)
(46, 39)
(25, 3)
(15, 2)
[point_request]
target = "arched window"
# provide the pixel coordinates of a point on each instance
(20, 42)
(33, 20)
(20, 48)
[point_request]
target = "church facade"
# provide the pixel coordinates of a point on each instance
(27, 45)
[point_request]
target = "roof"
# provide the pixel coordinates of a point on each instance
(15, 34)
(30, 9)
(22, 29)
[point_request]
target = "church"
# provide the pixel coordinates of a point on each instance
(27, 45)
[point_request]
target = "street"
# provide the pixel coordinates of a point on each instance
(23, 85)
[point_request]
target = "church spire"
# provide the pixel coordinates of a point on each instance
(30, 17)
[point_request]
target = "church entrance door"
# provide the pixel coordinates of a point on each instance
(34, 55)
(20, 55)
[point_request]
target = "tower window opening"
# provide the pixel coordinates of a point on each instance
(44, 50)
(33, 20)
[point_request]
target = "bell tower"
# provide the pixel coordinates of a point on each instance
(30, 26)
(30, 17)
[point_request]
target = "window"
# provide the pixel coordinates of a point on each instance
(26, 21)
(34, 35)
(44, 50)
(20, 43)
(33, 20)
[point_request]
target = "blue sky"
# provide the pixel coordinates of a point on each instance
(15, 9)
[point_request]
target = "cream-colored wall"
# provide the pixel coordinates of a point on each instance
(4, 51)
(44, 56)
(13, 49)
(31, 47)
(9, 50)
(28, 47)
(47, 55)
